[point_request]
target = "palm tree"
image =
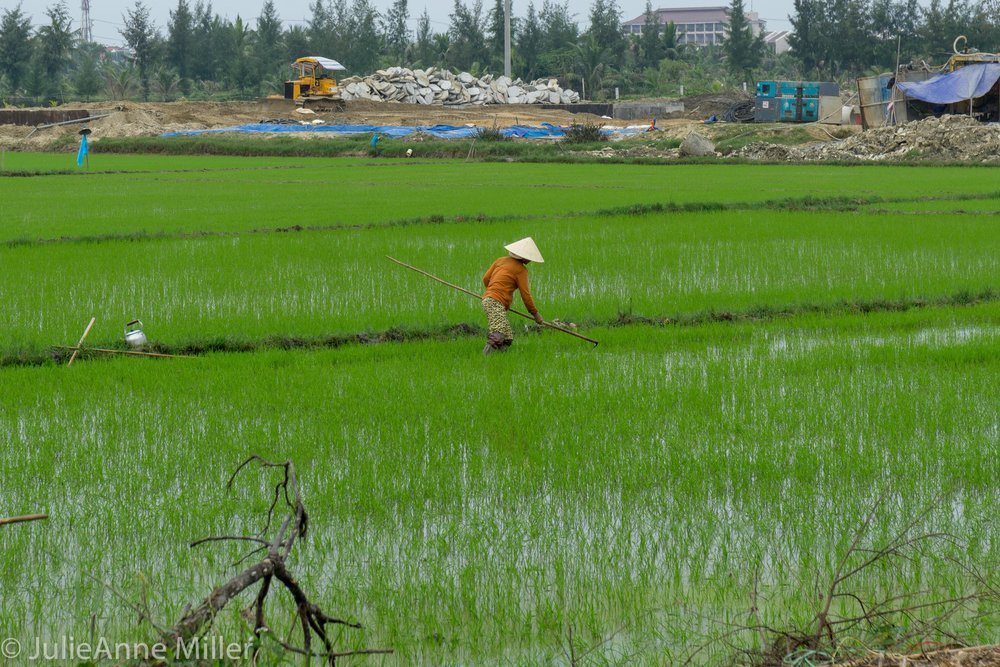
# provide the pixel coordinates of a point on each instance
(119, 81)
(167, 83)
(591, 61)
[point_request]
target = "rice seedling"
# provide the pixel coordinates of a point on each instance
(205, 194)
(987, 205)
(643, 493)
(673, 267)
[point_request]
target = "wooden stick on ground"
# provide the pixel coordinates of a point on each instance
(136, 353)
(23, 519)
(76, 350)
(479, 296)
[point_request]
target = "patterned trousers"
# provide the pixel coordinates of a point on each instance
(496, 318)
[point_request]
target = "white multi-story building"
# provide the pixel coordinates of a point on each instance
(695, 25)
(777, 41)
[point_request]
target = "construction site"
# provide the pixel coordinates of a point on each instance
(956, 138)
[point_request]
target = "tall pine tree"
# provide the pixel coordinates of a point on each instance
(605, 30)
(466, 40)
(140, 34)
(180, 43)
(809, 34)
(742, 49)
(366, 41)
(268, 41)
(650, 46)
(15, 47)
(395, 33)
(55, 41)
(495, 35)
(530, 41)
(423, 46)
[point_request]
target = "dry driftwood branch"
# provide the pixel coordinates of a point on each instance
(312, 620)
(896, 547)
(925, 611)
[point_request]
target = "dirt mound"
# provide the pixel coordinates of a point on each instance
(945, 139)
(137, 119)
(700, 107)
(949, 138)
(132, 119)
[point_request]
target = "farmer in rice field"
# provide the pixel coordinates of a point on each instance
(504, 276)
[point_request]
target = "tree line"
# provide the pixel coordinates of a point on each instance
(202, 55)
(832, 38)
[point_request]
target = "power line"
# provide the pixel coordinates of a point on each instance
(120, 25)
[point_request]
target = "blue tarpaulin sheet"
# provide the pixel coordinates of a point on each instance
(965, 83)
(546, 130)
(391, 131)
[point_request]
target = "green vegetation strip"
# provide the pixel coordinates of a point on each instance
(235, 344)
(790, 204)
(774, 355)
(947, 203)
(339, 282)
(332, 192)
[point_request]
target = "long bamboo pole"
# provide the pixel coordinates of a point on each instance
(22, 519)
(68, 122)
(479, 296)
(76, 350)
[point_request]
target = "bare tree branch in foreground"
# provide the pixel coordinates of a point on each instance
(844, 618)
(311, 618)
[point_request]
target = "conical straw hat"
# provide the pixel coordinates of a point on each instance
(525, 249)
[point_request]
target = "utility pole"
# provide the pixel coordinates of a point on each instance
(85, 32)
(506, 38)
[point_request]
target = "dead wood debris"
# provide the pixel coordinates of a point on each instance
(916, 621)
(313, 621)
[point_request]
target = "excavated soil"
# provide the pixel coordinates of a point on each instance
(135, 119)
(946, 139)
(700, 107)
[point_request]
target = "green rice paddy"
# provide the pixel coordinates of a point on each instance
(775, 355)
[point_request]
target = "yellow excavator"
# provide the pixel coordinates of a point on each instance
(967, 56)
(312, 84)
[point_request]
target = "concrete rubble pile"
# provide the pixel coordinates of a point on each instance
(438, 86)
(944, 139)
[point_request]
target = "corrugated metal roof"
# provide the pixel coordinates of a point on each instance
(327, 63)
(685, 15)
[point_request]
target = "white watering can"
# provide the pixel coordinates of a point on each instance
(134, 335)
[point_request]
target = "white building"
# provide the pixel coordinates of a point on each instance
(777, 41)
(695, 25)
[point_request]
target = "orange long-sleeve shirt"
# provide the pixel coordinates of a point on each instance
(503, 277)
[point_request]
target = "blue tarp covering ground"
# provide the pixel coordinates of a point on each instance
(391, 131)
(965, 83)
(546, 130)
